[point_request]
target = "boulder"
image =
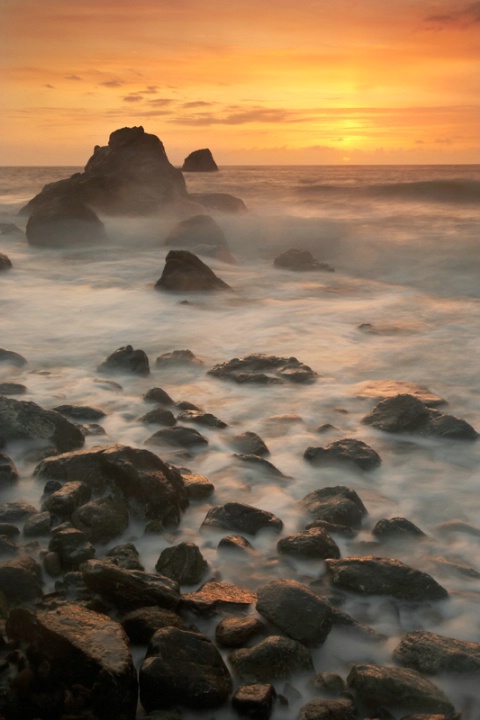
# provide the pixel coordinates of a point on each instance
(233, 632)
(83, 413)
(202, 235)
(102, 519)
(397, 528)
(130, 589)
(159, 416)
(5, 263)
(126, 556)
(301, 261)
(339, 505)
(16, 511)
(198, 487)
(21, 579)
(222, 202)
(80, 650)
(183, 669)
(9, 357)
(296, 610)
(312, 544)
(241, 517)
(8, 472)
(201, 418)
(185, 272)
(399, 688)
(140, 625)
(200, 161)
(129, 176)
(213, 595)
(67, 498)
(72, 547)
(64, 221)
(176, 358)
(384, 576)
(347, 450)
(405, 413)
(12, 388)
(148, 484)
(249, 443)
(178, 436)
(274, 658)
(431, 654)
(263, 369)
(38, 524)
(25, 420)
(183, 563)
(328, 710)
(126, 359)
(158, 395)
(260, 464)
(254, 701)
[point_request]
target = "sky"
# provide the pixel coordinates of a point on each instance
(256, 81)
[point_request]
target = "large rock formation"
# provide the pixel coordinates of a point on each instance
(200, 161)
(185, 272)
(64, 221)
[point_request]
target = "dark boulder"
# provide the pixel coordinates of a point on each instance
(16, 511)
(126, 556)
(242, 518)
(202, 235)
(12, 388)
(200, 161)
(21, 579)
(130, 176)
(430, 653)
(249, 443)
(158, 395)
(213, 596)
(274, 658)
(66, 499)
(254, 701)
(81, 649)
(140, 625)
(339, 505)
(126, 359)
(407, 414)
(38, 524)
(201, 418)
(198, 487)
(185, 272)
(102, 519)
(183, 669)
(5, 263)
(347, 450)
(234, 632)
(183, 563)
(301, 261)
(72, 547)
(24, 420)
(159, 416)
(384, 576)
(314, 543)
(9, 357)
(82, 413)
(397, 528)
(8, 472)
(64, 221)
(263, 369)
(328, 710)
(178, 436)
(176, 358)
(390, 687)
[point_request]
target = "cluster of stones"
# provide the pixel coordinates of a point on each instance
(69, 653)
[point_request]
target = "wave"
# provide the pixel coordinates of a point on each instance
(459, 191)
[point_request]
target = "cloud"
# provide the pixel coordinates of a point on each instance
(73, 77)
(463, 18)
(233, 116)
(196, 103)
(112, 83)
(160, 101)
(132, 98)
(51, 87)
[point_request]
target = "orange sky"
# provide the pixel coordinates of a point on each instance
(256, 81)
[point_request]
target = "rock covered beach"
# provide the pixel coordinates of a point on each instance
(242, 612)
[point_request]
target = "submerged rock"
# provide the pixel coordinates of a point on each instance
(234, 632)
(176, 358)
(397, 529)
(64, 221)
(9, 357)
(185, 272)
(430, 653)
(328, 710)
(126, 359)
(347, 450)
(12, 388)
(179, 436)
(249, 443)
(140, 625)
(200, 161)
(390, 388)
(201, 235)
(338, 505)
(8, 472)
(183, 563)
(5, 263)
(301, 261)
(264, 369)
(274, 658)
(314, 543)
(241, 517)
(21, 579)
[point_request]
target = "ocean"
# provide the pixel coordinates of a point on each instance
(405, 245)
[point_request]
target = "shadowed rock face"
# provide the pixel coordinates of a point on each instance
(185, 272)
(64, 221)
(202, 235)
(200, 161)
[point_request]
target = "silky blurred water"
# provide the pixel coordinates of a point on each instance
(405, 245)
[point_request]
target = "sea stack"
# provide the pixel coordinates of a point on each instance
(200, 161)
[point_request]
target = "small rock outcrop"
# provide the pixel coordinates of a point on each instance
(338, 505)
(301, 261)
(202, 235)
(314, 543)
(264, 369)
(242, 518)
(430, 654)
(9, 357)
(185, 272)
(271, 659)
(126, 359)
(5, 262)
(348, 450)
(200, 161)
(64, 221)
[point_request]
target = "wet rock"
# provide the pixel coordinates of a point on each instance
(296, 610)
(315, 543)
(179, 436)
(236, 544)
(9, 530)
(185, 272)
(431, 654)
(73, 548)
(328, 710)
(406, 413)
(91, 429)
(5, 263)
(254, 701)
(223, 202)
(183, 669)
(82, 649)
(63, 222)
(271, 659)
(399, 688)
(11, 388)
(240, 517)
(301, 261)
(329, 683)
(183, 563)
(38, 525)
(81, 412)
(140, 625)
(21, 579)
(200, 161)
(215, 595)
(16, 511)
(102, 519)
(202, 236)
(130, 176)
(198, 487)
(263, 369)
(126, 556)
(159, 416)
(260, 464)
(397, 528)
(201, 418)
(23, 420)
(177, 357)
(233, 632)
(67, 498)
(9, 357)
(390, 388)
(384, 576)
(126, 360)
(148, 484)
(249, 443)
(332, 528)
(348, 450)
(339, 505)
(8, 472)
(130, 589)
(158, 395)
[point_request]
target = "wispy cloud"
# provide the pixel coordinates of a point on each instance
(112, 83)
(463, 18)
(74, 77)
(133, 98)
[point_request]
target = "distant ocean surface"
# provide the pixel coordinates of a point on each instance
(405, 245)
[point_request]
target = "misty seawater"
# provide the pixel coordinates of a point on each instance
(405, 245)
